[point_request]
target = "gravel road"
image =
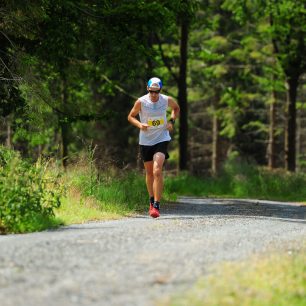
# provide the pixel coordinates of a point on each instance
(137, 261)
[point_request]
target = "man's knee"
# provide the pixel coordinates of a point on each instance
(157, 172)
(159, 157)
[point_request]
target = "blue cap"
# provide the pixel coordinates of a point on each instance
(155, 83)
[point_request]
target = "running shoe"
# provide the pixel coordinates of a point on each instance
(154, 212)
(151, 207)
(151, 204)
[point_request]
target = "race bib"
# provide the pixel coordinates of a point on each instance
(156, 122)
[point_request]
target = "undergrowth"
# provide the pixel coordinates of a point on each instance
(29, 193)
(116, 191)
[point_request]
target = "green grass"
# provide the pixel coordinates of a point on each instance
(241, 181)
(76, 208)
(109, 195)
(114, 193)
(278, 279)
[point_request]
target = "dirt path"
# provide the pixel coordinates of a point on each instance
(137, 261)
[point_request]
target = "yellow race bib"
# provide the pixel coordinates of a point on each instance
(156, 122)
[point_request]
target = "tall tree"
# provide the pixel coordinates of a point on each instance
(222, 48)
(288, 25)
(287, 28)
(176, 61)
(182, 84)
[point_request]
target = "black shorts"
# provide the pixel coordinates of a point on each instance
(147, 152)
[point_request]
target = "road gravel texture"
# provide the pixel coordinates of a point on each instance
(139, 261)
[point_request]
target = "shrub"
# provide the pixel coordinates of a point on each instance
(28, 193)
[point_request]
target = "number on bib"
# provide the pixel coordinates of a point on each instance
(155, 122)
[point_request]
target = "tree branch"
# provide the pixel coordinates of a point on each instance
(118, 87)
(165, 59)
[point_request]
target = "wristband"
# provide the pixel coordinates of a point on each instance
(172, 121)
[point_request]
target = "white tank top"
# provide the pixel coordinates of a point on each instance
(155, 115)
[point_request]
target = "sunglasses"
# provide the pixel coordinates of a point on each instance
(154, 91)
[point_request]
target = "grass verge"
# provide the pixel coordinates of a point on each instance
(76, 208)
(241, 181)
(277, 279)
(94, 196)
(114, 193)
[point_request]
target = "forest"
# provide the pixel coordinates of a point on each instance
(72, 70)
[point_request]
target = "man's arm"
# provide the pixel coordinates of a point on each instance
(174, 113)
(132, 116)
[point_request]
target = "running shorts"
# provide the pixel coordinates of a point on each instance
(147, 152)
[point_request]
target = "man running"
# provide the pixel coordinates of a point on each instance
(154, 136)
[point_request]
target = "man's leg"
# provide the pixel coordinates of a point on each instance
(149, 177)
(158, 162)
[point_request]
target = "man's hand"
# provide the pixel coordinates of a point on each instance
(170, 127)
(143, 126)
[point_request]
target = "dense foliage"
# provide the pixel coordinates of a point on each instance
(28, 193)
(71, 71)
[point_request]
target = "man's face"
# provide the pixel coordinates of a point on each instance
(153, 93)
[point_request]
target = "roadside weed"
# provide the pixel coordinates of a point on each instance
(277, 279)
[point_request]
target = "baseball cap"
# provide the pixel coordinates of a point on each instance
(155, 83)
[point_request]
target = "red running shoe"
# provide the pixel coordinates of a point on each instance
(151, 207)
(154, 212)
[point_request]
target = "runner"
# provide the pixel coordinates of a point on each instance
(154, 136)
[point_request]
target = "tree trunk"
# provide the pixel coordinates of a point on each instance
(8, 141)
(290, 132)
(64, 124)
(298, 140)
(182, 96)
(272, 124)
(216, 163)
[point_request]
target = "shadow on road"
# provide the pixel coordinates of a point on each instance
(234, 207)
